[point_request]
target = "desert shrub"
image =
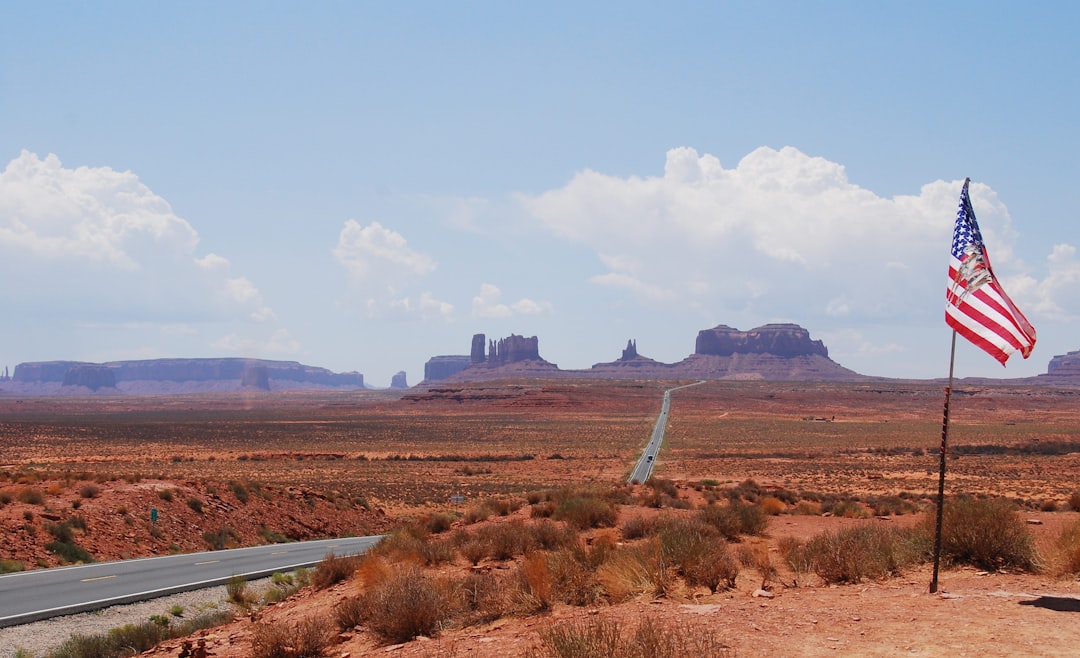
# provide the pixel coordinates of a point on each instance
(892, 506)
(474, 550)
(1048, 506)
(505, 540)
(573, 576)
(438, 523)
(238, 591)
(273, 537)
(5, 498)
(31, 496)
(69, 551)
(662, 486)
(850, 509)
(195, 504)
(11, 566)
(797, 559)
(772, 506)
(404, 602)
(637, 527)
(634, 570)
(598, 637)
(1067, 550)
(333, 569)
(715, 569)
(309, 638)
(735, 519)
(985, 533)
(808, 508)
(1074, 501)
(542, 509)
(62, 532)
(594, 638)
(685, 541)
(240, 491)
(549, 535)
(484, 597)
(349, 613)
(89, 491)
(585, 511)
(435, 552)
(859, 552)
(165, 494)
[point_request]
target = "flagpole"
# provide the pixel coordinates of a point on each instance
(941, 469)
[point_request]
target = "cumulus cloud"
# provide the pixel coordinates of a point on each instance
(381, 267)
(779, 231)
(487, 304)
(94, 237)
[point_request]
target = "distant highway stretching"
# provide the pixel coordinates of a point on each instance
(28, 596)
(643, 470)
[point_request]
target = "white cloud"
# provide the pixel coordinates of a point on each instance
(382, 267)
(781, 231)
(376, 253)
(488, 304)
(100, 241)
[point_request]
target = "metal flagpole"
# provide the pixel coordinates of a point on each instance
(941, 469)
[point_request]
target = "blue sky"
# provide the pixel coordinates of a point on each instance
(361, 186)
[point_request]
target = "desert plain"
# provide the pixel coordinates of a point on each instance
(239, 469)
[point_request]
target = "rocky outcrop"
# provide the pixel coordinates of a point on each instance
(442, 367)
(398, 380)
(783, 340)
(513, 356)
(185, 375)
(89, 376)
(770, 352)
(512, 349)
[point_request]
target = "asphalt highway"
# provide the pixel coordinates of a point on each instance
(28, 596)
(644, 467)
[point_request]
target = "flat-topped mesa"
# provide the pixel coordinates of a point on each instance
(92, 377)
(399, 380)
(785, 340)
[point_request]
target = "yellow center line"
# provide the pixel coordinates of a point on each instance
(207, 562)
(89, 580)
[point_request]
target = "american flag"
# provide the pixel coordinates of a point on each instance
(976, 306)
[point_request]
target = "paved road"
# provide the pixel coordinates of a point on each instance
(643, 470)
(31, 595)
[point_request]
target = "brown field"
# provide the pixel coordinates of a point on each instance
(358, 462)
(481, 439)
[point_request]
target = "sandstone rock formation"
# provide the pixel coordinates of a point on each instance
(769, 352)
(784, 340)
(90, 376)
(184, 375)
(398, 380)
(442, 367)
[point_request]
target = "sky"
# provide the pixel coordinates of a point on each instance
(361, 186)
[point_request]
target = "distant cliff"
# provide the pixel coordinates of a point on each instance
(178, 376)
(769, 352)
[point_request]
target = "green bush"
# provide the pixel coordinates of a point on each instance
(69, 552)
